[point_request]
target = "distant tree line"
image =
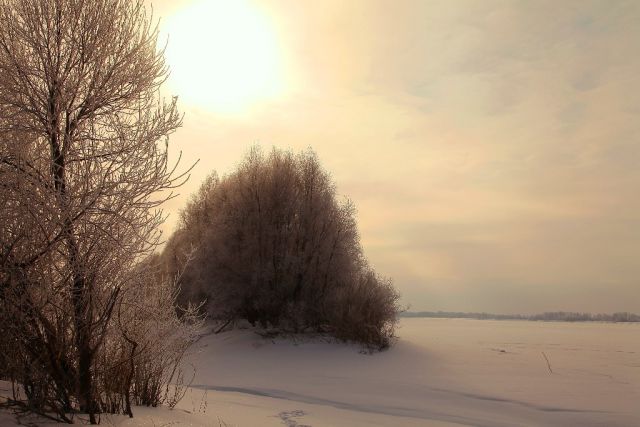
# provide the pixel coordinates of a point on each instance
(554, 316)
(274, 245)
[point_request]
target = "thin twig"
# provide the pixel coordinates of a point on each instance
(548, 364)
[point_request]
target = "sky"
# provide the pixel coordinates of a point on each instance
(492, 148)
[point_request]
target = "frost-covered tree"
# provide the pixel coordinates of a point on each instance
(277, 247)
(83, 155)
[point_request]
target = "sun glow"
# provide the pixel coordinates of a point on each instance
(223, 55)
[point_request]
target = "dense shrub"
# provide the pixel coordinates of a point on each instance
(276, 247)
(141, 352)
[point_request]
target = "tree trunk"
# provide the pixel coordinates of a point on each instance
(80, 297)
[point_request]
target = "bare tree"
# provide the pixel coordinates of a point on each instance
(83, 153)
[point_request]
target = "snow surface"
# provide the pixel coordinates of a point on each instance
(441, 372)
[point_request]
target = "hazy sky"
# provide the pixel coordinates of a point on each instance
(492, 147)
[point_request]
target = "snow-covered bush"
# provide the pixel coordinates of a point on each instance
(277, 247)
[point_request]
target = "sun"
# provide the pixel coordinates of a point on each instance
(223, 55)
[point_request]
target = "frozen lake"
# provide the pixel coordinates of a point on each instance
(440, 372)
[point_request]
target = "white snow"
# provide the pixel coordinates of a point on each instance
(441, 372)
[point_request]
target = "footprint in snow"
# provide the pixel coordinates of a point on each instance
(289, 418)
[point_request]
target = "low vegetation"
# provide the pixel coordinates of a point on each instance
(553, 316)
